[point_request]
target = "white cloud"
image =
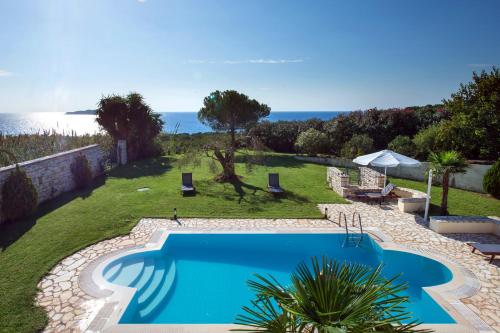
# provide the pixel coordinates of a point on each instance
(141, 1)
(248, 61)
(5, 73)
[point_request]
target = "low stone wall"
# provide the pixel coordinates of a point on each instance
(465, 224)
(51, 175)
(370, 177)
(338, 181)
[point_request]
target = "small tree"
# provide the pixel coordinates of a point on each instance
(19, 196)
(229, 112)
(358, 145)
(80, 169)
(491, 180)
(445, 164)
(402, 144)
(130, 118)
(312, 142)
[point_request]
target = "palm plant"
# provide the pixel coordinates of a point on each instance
(328, 297)
(445, 164)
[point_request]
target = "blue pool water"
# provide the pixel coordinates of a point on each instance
(201, 278)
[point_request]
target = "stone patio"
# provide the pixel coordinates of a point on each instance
(71, 310)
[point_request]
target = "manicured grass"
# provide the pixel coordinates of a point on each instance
(30, 248)
(460, 202)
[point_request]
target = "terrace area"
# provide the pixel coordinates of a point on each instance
(71, 231)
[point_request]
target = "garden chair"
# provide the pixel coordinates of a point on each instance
(274, 184)
(187, 183)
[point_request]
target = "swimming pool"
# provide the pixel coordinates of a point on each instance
(201, 278)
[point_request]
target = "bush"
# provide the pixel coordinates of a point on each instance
(358, 145)
(312, 142)
(491, 180)
(82, 175)
(19, 196)
(402, 144)
(426, 141)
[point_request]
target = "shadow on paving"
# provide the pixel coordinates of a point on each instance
(144, 168)
(11, 231)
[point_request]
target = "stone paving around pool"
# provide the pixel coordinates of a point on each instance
(70, 309)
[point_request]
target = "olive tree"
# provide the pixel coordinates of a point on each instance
(229, 112)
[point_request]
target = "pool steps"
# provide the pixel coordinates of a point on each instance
(161, 293)
(152, 279)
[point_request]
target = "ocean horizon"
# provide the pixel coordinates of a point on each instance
(36, 122)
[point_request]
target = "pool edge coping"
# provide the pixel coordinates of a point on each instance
(463, 284)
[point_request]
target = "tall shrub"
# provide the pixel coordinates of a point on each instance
(491, 180)
(130, 118)
(312, 142)
(402, 144)
(80, 169)
(19, 196)
(358, 145)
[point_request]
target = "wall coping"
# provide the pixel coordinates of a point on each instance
(465, 219)
(48, 157)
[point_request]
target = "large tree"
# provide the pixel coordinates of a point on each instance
(130, 118)
(474, 127)
(229, 112)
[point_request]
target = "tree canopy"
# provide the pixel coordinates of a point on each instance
(229, 111)
(130, 118)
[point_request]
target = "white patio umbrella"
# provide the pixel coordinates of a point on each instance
(386, 159)
(389, 159)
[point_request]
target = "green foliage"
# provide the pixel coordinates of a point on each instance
(24, 147)
(474, 127)
(328, 297)
(380, 125)
(429, 140)
(19, 196)
(281, 136)
(130, 118)
(82, 174)
(445, 164)
(491, 180)
(230, 111)
(312, 142)
(402, 144)
(359, 144)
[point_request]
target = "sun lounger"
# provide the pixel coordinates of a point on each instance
(375, 196)
(274, 184)
(187, 183)
(487, 249)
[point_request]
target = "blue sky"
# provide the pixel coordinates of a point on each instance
(63, 55)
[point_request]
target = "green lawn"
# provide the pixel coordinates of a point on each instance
(460, 202)
(30, 248)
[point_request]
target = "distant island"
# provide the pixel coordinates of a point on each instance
(92, 112)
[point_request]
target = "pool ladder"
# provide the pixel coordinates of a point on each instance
(352, 238)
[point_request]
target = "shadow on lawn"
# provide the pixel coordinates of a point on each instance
(11, 231)
(274, 160)
(143, 168)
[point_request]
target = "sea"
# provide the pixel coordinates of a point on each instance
(79, 124)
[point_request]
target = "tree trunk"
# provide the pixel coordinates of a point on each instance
(444, 196)
(227, 162)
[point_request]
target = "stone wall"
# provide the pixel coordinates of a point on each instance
(370, 177)
(51, 175)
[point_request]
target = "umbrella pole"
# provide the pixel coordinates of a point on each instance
(428, 198)
(385, 176)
